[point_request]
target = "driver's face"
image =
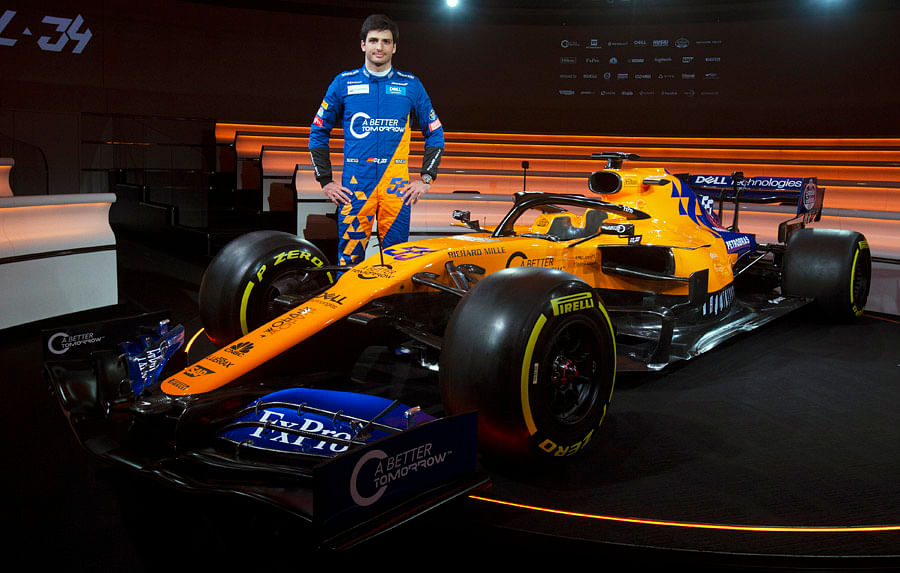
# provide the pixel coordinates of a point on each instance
(379, 48)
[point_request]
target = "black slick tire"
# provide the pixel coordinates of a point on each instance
(240, 284)
(831, 266)
(533, 351)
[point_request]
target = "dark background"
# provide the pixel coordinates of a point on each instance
(801, 68)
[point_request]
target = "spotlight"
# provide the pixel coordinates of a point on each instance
(453, 3)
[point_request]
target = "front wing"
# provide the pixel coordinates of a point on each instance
(351, 465)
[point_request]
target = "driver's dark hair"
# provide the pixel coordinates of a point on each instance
(379, 22)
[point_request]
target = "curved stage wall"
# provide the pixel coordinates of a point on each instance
(861, 176)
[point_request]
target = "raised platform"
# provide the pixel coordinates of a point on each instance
(57, 256)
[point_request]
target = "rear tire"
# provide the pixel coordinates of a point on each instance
(533, 351)
(240, 285)
(831, 266)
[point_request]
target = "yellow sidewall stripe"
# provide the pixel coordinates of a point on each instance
(612, 338)
(244, 300)
(857, 311)
(526, 369)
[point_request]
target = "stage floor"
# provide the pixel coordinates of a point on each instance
(783, 442)
(778, 450)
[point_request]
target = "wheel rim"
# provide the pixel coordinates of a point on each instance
(574, 373)
(295, 283)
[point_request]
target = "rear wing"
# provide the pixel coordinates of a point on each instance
(804, 192)
(755, 189)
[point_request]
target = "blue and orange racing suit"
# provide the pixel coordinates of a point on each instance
(375, 113)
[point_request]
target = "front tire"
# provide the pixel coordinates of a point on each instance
(831, 266)
(238, 290)
(533, 351)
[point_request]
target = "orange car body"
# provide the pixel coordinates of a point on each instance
(652, 202)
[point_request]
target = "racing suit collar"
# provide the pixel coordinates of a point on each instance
(371, 76)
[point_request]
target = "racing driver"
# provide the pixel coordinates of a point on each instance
(374, 105)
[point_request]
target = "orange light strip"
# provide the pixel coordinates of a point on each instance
(68, 206)
(695, 152)
(225, 132)
(688, 525)
(250, 146)
(753, 166)
(187, 347)
(284, 161)
(573, 152)
(885, 319)
(859, 141)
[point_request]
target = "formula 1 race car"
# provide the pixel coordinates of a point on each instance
(527, 322)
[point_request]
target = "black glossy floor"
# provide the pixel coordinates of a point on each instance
(779, 450)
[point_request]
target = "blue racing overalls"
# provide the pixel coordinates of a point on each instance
(375, 113)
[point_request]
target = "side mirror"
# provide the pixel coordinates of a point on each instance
(463, 217)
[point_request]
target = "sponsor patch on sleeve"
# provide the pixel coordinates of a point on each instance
(318, 121)
(434, 125)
